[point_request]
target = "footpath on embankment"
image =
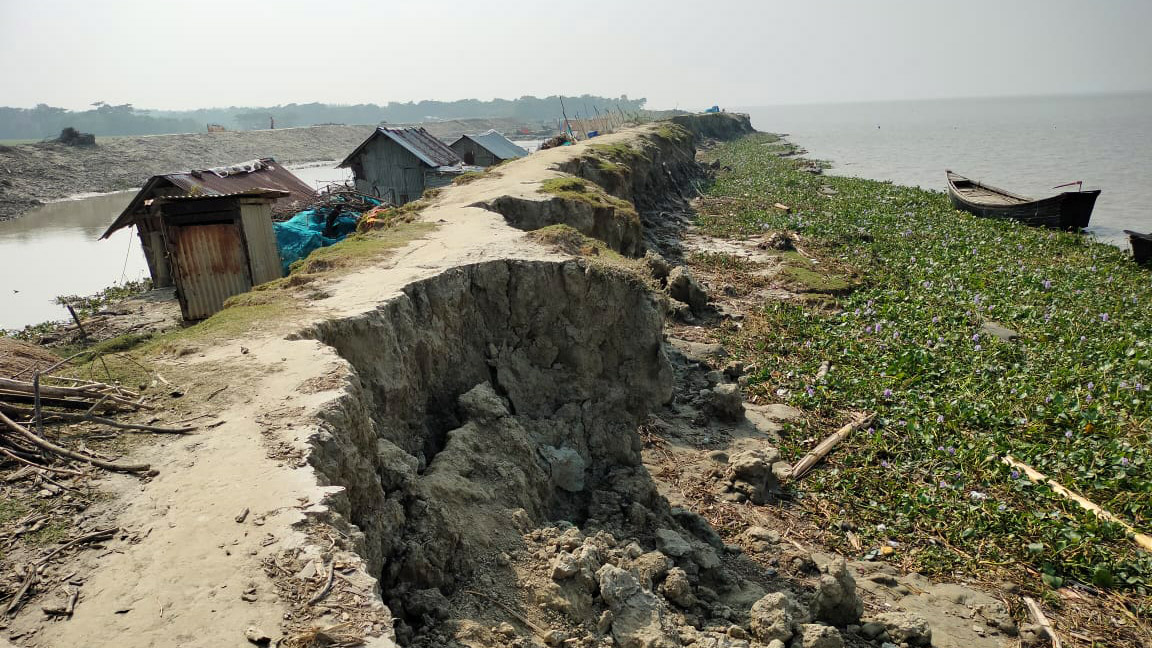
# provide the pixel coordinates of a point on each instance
(456, 432)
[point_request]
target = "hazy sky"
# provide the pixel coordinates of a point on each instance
(690, 54)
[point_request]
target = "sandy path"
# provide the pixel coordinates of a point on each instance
(182, 582)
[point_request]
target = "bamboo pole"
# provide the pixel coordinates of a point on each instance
(819, 452)
(1040, 619)
(43, 444)
(1142, 539)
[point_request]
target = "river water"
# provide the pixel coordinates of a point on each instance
(53, 250)
(1026, 145)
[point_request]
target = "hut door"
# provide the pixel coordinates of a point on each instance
(209, 265)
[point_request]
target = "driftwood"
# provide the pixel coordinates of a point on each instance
(323, 593)
(819, 452)
(1142, 539)
(1039, 619)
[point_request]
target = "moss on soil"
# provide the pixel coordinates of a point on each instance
(581, 190)
(570, 241)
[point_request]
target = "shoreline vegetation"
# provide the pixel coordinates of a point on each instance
(971, 340)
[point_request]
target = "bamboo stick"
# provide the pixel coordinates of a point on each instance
(1041, 620)
(1142, 539)
(819, 452)
(65, 452)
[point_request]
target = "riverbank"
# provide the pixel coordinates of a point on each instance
(360, 421)
(971, 340)
(32, 174)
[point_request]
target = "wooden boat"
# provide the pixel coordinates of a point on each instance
(1069, 210)
(1141, 247)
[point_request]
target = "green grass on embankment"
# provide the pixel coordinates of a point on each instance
(1070, 397)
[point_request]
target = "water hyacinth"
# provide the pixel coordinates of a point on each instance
(1019, 398)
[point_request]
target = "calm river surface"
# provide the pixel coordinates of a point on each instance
(1026, 145)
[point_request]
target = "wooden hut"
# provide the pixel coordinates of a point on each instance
(398, 164)
(486, 149)
(256, 175)
(218, 246)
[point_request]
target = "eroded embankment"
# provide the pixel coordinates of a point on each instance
(488, 450)
(488, 393)
(469, 407)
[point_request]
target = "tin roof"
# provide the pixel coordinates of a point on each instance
(496, 144)
(416, 141)
(262, 174)
(273, 194)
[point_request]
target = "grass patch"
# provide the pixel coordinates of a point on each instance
(360, 249)
(802, 275)
(581, 190)
(673, 132)
(1070, 397)
(571, 241)
(721, 261)
(467, 177)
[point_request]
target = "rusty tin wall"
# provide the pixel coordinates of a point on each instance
(209, 264)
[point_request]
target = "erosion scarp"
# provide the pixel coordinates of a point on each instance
(453, 447)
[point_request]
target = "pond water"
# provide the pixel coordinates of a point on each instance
(53, 250)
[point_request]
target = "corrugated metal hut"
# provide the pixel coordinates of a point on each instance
(256, 175)
(398, 164)
(218, 246)
(486, 149)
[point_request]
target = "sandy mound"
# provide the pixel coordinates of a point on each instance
(17, 357)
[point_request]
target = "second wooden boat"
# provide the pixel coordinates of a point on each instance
(1141, 247)
(1070, 210)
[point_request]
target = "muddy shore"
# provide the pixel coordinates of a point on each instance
(32, 174)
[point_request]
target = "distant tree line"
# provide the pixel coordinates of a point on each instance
(45, 121)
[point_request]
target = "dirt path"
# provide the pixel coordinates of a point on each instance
(31, 174)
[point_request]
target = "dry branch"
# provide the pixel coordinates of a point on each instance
(819, 452)
(102, 534)
(43, 444)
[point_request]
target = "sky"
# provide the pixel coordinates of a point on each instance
(676, 53)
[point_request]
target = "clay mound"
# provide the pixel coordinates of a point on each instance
(17, 357)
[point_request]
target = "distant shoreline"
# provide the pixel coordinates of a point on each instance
(34, 174)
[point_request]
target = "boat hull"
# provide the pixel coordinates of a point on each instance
(1070, 210)
(1141, 247)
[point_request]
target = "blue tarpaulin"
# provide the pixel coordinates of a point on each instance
(311, 230)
